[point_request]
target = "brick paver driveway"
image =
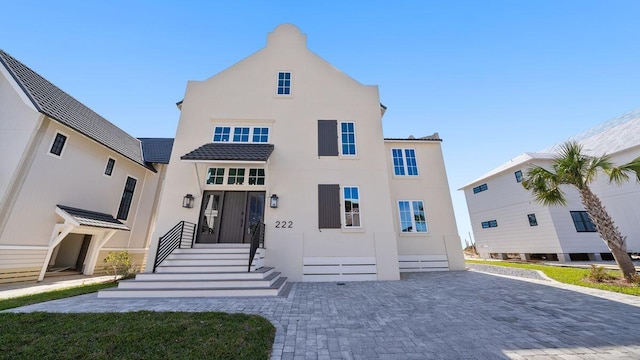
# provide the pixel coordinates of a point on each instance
(450, 315)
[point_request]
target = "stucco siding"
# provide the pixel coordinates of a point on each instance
(18, 122)
(430, 186)
(245, 94)
(74, 179)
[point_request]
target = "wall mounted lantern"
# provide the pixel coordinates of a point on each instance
(187, 201)
(274, 201)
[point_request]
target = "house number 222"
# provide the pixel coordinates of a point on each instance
(284, 224)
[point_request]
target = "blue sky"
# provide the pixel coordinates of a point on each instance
(493, 78)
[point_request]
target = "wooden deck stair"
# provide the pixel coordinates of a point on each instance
(218, 270)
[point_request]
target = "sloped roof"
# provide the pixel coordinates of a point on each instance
(156, 150)
(62, 107)
(93, 218)
(609, 137)
(615, 135)
(231, 152)
(434, 137)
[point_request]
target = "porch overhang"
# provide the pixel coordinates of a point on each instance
(81, 217)
(230, 153)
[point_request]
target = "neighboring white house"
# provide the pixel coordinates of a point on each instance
(506, 220)
(283, 125)
(73, 186)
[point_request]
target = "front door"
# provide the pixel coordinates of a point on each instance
(229, 216)
(255, 213)
(209, 217)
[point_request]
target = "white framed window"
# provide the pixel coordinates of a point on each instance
(260, 135)
(284, 83)
(111, 163)
(348, 138)
(241, 134)
(215, 176)
(412, 216)
(404, 162)
(236, 176)
(58, 144)
(221, 133)
(256, 176)
(351, 206)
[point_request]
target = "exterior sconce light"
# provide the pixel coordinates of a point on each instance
(274, 201)
(187, 201)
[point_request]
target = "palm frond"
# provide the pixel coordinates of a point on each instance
(544, 185)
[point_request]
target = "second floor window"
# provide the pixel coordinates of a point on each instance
(284, 83)
(221, 134)
(404, 162)
(58, 144)
(348, 138)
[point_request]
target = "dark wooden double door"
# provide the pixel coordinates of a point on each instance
(229, 216)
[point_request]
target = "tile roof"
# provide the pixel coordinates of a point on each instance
(93, 218)
(434, 137)
(227, 151)
(156, 150)
(62, 107)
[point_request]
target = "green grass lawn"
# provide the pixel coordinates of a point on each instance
(135, 335)
(53, 295)
(567, 275)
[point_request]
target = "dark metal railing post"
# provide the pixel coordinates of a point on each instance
(172, 240)
(257, 238)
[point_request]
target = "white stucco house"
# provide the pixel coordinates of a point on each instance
(284, 148)
(73, 186)
(507, 222)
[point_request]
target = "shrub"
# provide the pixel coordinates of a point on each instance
(599, 274)
(118, 263)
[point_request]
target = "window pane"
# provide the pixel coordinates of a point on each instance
(348, 138)
(406, 225)
(351, 206)
(398, 162)
(58, 144)
(215, 176)
(412, 166)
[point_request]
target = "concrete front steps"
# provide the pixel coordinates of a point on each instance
(204, 271)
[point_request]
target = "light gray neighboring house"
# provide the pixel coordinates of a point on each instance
(506, 220)
(73, 185)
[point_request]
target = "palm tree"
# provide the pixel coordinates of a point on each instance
(574, 168)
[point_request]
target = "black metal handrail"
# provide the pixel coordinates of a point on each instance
(257, 240)
(183, 232)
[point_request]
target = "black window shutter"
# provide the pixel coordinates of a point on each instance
(327, 137)
(329, 206)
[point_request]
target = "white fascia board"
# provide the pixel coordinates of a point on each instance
(223, 162)
(517, 161)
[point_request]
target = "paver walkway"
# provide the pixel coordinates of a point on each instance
(449, 315)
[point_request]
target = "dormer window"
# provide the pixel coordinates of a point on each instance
(284, 83)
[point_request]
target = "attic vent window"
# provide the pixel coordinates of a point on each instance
(284, 83)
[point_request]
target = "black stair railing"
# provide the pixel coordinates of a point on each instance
(179, 236)
(257, 240)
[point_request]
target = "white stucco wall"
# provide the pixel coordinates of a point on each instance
(245, 94)
(432, 187)
(19, 121)
(77, 179)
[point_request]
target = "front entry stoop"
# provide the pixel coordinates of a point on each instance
(204, 271)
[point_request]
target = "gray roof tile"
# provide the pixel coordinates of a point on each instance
(156, 150)
(62, 107)
(231, 152)
(93, 218)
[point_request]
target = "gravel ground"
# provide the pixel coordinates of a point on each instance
(503, 270)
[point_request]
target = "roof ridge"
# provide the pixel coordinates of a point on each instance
(57, 104)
